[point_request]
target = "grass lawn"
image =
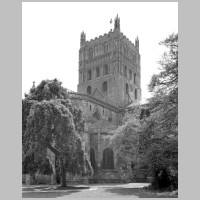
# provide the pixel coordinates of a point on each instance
(154, 194)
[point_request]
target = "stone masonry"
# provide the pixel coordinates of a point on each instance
(109, 70)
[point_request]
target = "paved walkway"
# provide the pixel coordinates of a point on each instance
(78, 191)
(130, 190)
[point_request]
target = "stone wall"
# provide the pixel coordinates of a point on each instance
(37, 179)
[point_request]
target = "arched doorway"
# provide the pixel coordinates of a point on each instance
(108, 159)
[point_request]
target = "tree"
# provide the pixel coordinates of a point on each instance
(51, 122)
(159, 132)
(149, 136)
(164, 86)
(47, 90)
(32, 164)
(125, 138)
(26, 106)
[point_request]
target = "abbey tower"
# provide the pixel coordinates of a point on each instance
(109, 68)
(109, 86)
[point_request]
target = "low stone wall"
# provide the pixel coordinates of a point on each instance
(37, 179)
(105, 176)
(101, 176)
(76, 179)
(122, 176)
(141, 175)
(43, 179)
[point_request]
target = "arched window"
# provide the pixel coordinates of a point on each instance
(135, 93)
(80, 77)
(127, 89)
(125, 49)
(89, 74)
(130, 75)
(96, 115)
(91, 53)
(134, 77)
(92, 158)
(89, 90)
(105, 69)
(83, 76)
(104, 86)
(97, 72)
(105, 48)
(108, 159)
(125, 71)
(95, 50)
(134, 58)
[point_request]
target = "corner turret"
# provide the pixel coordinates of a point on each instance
(83, 38)
(137, 43)
(117, 23)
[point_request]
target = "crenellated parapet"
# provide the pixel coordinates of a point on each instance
(114, 60)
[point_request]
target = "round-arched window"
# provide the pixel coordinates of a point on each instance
(104, 86)
(125, 71)
(127, 89)
(134, 77)
(130, 74)
(89, 74)
(135, 93)
(97, 72)
(105, 69)
(91, 53)
(89, 90)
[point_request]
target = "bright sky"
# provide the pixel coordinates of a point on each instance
(51, 36)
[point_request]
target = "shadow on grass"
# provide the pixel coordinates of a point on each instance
(125, 191)
(140, 192)
(52, 188)
(47, 194)
(50, 192)
(70, 188)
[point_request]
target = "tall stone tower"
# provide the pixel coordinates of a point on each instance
(109, 67)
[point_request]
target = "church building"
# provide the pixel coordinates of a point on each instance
(109, 84)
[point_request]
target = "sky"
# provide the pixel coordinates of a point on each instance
(51, 36)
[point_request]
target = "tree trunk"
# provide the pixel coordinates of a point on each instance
(63, 176)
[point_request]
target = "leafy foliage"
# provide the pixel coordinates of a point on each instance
(32, 165)
(125, 140)
(159, 132)
(47, 90)
(150, 135)
(26, 105)
(50, 121)
(164, 86)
